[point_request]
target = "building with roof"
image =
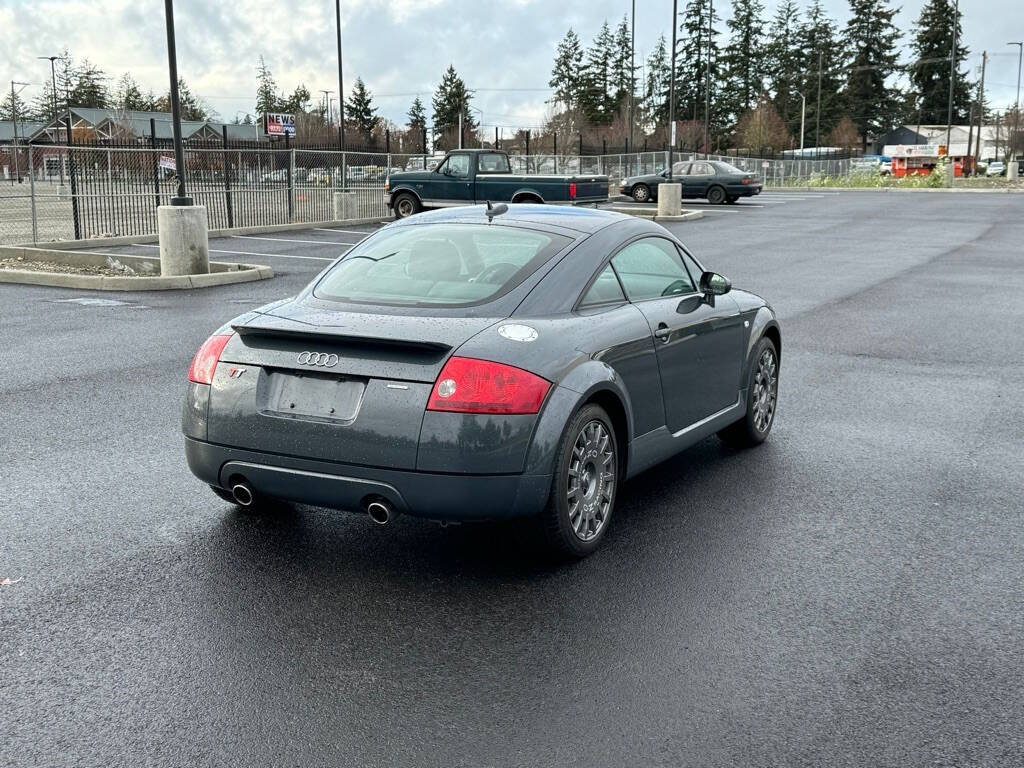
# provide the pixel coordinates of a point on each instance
(993, 139)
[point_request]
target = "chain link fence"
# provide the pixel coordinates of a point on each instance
(81, 192)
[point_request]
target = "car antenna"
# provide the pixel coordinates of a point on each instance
(495, 210)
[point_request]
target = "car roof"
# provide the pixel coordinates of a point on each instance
(577, 219)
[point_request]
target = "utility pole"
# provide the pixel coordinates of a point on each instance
(981, 109)
(817, 114)
(341, 79)
(14, 122)
(952, 74)
(707, 82)
(672, 91)
(460, 130)
(1016, 104)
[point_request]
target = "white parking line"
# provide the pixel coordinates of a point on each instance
(365, 232)
(286, 240)
(252, 253)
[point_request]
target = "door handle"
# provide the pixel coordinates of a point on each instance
(663, 332)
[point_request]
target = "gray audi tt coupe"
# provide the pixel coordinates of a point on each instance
(480, 363)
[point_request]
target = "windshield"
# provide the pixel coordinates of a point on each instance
(438, 265)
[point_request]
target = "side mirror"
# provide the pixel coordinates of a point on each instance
(664, 174)
(714, 284)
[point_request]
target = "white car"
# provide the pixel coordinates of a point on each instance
(996, 168)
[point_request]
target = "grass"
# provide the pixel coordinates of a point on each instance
(937, 179)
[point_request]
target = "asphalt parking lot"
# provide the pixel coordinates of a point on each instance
(847, 594)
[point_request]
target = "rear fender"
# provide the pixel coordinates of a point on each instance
(587, 381)
(520, 193)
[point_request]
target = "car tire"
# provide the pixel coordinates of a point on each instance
(716, 195)
(731, 199)
(762, 399)
(582, 500)
(641, 193)
(405, 204)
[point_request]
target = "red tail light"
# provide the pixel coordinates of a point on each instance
(747, 180)
(206, 359)
(572, 191)
(479, 386)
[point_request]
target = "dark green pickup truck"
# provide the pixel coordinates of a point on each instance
(468, 176)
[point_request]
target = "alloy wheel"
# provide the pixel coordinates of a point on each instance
(591, 480)
(766, 390)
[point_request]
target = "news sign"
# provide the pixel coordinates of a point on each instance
(277, 124)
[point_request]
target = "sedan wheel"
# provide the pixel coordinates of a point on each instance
(584, 485)
(716, 195)
(641, 193)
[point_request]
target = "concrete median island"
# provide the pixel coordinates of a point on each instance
(92, 270)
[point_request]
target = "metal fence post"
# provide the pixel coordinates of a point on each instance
(291, 180)
(156, 161)
(32, 191)
(227, 178)
(72, 172)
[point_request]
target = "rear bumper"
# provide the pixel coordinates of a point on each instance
(432, 495)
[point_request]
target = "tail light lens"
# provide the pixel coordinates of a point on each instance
(480, 386)
(206, 359)
(747, 180)
(572, 191)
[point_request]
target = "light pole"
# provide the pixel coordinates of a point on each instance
(327, 105)
(182, 197)
(53, 84)
(672, 91)
(1016, 104)
(707, 81)
(803, 114)
(341, 79)
(14, 125)
(952, 74)
(632, 71)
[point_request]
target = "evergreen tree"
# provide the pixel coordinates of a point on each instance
(267, 100)
(785, 63)
(298, 102)
(13, 107)
(817, 38)
(192, 106)
(88, 88)
(417, 116)
(359, 110)
(743, 59)
(566, 73)
(129, 96)
(621, 65)
(929, 75)
(698, 66)
(450, 99)
(872, 40)
(655, 103)
(594, 99)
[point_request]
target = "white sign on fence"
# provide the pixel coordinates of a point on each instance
(167, 163)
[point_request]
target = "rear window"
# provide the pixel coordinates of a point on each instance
(438, 265)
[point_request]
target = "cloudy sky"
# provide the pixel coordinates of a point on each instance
(399, 47)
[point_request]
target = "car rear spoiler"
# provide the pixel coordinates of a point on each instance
(254, 329)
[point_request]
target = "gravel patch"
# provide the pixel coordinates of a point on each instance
(113, 268)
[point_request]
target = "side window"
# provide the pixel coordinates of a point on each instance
(652, 268)
(692, 268)
(605, 289)
(702, 169)
(494, 163)
(680, 169)
(455, 165)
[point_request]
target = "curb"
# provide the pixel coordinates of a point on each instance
(947, 190)
(222, 273)
(652, 214)
(70, 245)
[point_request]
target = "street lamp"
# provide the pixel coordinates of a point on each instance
(803, 114)
(672, 91)
(1016, 106)
(179, 150)
(327, 105)
(14, 124)
(341, 78)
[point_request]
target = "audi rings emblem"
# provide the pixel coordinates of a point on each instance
(319, 359)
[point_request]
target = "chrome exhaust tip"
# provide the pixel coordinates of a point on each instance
(379, 512)
(242, 494)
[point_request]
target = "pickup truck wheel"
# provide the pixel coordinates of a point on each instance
(716, 195)
(405, 204)
(641, 193)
